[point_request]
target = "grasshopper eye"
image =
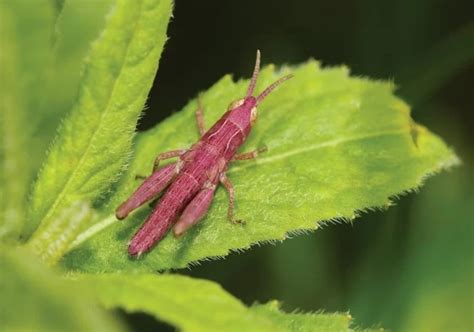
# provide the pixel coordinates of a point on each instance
(235, 104)
(253, 115)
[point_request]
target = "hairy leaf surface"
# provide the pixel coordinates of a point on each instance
(336, 146)
(95, 140)
(201, 305)
(41, 62)
(79, 23)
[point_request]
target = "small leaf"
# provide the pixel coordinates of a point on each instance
(336, 146)
(200, 305)
(298, 321)
(26, 33)
(95, 140)
(35, 299)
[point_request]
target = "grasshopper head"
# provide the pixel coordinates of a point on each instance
(243, 112)
(245, 109)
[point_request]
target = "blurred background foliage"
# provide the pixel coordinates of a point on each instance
(409, 268)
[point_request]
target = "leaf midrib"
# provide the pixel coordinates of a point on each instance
(334, 142)
(82, 158)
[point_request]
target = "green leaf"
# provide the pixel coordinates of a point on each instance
(26, 33)
(94, 142)
(200, 305)
(38, 60)
(337, 146)
(78, 25)
(35, 299)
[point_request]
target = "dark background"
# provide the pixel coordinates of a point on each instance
(407, 268)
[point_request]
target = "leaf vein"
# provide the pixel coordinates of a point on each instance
(313, 147)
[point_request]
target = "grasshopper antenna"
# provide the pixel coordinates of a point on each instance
(272, 86)
(256, 70)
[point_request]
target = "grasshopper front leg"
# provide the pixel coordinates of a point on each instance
(250, 155)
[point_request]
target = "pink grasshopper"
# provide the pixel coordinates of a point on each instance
(193, 179)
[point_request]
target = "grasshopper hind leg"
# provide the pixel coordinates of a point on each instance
(148, 190)
(195, 210)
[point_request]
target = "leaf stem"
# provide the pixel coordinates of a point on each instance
(53, 240)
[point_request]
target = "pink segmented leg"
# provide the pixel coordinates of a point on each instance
(250, 155)
(149, 189)
(195, 210)
(230, 189)
(200, 118)
(167, 155)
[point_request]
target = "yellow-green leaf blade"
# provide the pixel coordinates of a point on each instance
(200, 305)
(336, 146)
(78, 24)
(35, 299)
(94, 142)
